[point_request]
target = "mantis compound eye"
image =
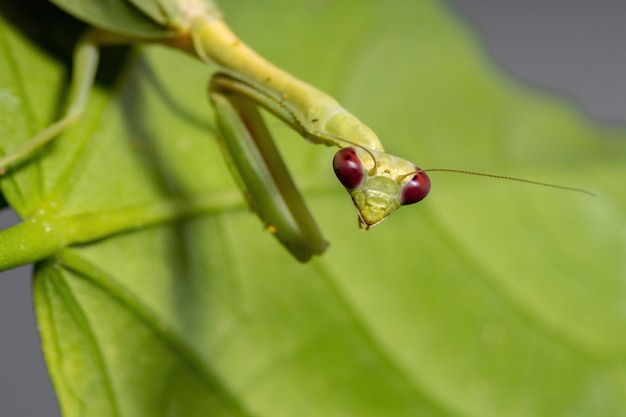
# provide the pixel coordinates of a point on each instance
(416, 189)
(348, 168)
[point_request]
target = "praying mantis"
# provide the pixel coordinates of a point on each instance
(378, 183)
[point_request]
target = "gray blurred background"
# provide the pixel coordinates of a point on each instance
(572, 46)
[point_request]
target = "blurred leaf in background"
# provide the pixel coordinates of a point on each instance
(489, 298)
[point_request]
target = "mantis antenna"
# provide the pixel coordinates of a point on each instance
(504, 177)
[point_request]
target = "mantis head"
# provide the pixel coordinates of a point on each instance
(378, 183)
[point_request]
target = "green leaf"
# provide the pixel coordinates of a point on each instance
(120, 16)
(158, 293)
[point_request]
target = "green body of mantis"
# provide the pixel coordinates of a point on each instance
(377, 182)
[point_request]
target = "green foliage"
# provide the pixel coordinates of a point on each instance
(119, 16)
(158, 293)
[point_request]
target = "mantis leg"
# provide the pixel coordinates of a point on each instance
(86, 56)
(261, 174)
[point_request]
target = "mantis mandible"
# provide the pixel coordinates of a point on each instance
(377, 182)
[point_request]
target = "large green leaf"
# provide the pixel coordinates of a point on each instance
(487, 299)
(119, 16)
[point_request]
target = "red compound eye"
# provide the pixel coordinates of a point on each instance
(348, 168)
(416, 189)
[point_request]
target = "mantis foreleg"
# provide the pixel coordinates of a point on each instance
(256, 164)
